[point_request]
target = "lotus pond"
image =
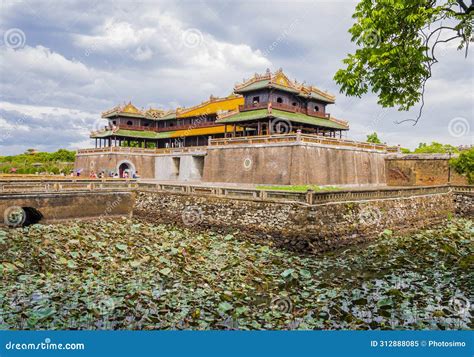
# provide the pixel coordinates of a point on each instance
(126, 274)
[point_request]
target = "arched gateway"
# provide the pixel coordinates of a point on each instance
(125, 167)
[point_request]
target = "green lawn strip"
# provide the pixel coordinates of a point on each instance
(298, 188)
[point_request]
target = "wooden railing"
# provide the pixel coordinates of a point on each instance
(134, 127)
(157, 129)
(308, 197)
(298, 137)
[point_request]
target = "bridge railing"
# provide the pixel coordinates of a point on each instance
(65, 186)
(463, 189)
(308, 197)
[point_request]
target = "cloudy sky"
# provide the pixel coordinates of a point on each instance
(63, 62)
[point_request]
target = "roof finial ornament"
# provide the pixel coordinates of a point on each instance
(267, 71)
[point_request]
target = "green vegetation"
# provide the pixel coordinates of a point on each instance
(130, 275)
(31, 162)
(297, 188)
(397, 41)
(464, 164)
(435, 148)
(373, 138)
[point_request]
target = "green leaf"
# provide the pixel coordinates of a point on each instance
(287, 273)
(384, 302)
(165, 271)
(225, 306)
(241, 310)
(71, 264)
(135, 263)
(305, 273)
(122, 247)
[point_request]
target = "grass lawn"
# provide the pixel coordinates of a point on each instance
(298, 188)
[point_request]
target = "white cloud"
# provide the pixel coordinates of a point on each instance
(169, 38)
(82, 58)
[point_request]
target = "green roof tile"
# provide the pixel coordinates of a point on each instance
(134, 134)
(293, 117)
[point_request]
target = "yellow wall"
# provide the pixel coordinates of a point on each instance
(213, 107)
(219, 129)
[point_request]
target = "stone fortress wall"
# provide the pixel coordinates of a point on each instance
(295, 225)
(421, 170)
(278, 164)
(294, 164)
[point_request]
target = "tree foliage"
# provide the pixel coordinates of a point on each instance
(31, 162)
(397, 42)
(464, 164)
(435, 148)
(373, 138)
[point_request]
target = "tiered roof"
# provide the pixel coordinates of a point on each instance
(300, 118)
(279, 80)
(212, 106)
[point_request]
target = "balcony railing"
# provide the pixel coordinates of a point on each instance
(158, 130)
(284, 107)
(308, 138)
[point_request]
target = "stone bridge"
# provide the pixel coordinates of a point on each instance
(28, 202)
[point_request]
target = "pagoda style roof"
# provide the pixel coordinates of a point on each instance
(300, 118)
(125, 110)
(129, 110)
(214, 105)
(279, 80)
